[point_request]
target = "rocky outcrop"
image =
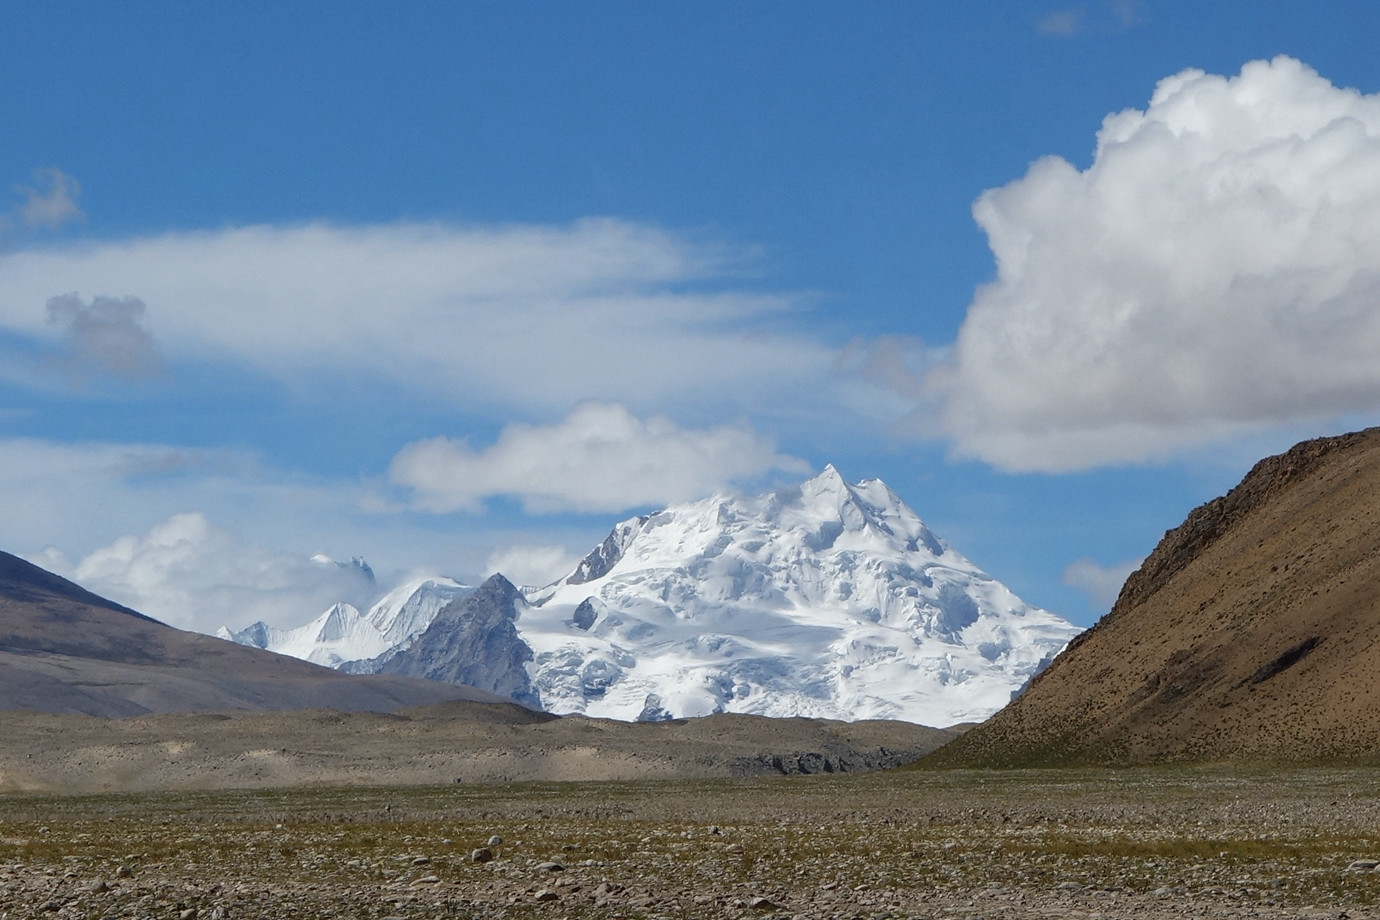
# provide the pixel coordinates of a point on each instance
(606, 555)
(472, 641)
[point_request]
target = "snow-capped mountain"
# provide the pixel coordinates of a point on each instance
(826, 599)
(343, 635)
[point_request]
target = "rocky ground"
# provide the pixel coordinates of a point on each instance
(1022, 844)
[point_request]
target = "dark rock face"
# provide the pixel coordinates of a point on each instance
(472, 641)
(797, 763)
(606, 555)
(585, 614)
(653, 711)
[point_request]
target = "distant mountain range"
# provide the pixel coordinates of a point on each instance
(342, 634)
(827, 599)
(66, 650)
(1251, 633)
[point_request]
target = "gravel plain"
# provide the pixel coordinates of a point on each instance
(1146, 843)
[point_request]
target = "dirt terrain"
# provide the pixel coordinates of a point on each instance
(1251, 633)
(449, 742)
(1145, 844)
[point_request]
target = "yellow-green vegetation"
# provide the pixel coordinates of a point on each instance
(1070, 843)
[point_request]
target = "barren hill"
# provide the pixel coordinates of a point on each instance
(1252, 632)
(66, 650)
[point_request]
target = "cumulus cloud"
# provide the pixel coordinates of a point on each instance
(1100, 583)
(107, 337)
(78, 497)
(532, 565)
(191, 574)
(101, 503)
(51, 201)
(1216, 270)
(599, 458)
(500, 318)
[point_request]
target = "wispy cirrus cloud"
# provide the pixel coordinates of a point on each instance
(510, 319)
(1215, 270)
(51, 201)
(1109, 16)
(1061, 22)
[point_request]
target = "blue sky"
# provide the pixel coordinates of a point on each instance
(455, 287)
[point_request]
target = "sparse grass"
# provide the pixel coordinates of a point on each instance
(818, 845)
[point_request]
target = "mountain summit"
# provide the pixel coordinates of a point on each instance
(827, 599)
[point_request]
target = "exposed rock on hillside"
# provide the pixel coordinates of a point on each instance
(472, 641)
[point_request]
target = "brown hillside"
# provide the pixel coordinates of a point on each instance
(1252, 632)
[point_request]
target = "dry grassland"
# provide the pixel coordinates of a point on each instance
(1146, 843)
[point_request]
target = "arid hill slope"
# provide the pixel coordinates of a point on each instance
(66, 650)
(1251, 633)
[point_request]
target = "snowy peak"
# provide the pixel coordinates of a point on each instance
(827, 507)
(330, 639)
(408, 609)
(342, 634)
(825, 599)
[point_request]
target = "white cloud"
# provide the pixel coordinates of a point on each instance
(1216, 270)
(79, 498)
(1102, 584)
(532, 565)
(492, 318)
(599, 458)
(120, 511)
(190, 574)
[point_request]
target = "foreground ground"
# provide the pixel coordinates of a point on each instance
(1209, 843)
